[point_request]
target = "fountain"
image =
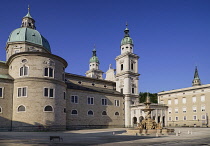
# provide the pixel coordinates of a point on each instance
(149, 126)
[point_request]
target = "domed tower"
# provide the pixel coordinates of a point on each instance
(94, 71)
(26, 38)
(39, 81)
(127, 75)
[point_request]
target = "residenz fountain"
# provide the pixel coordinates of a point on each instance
(149, 126)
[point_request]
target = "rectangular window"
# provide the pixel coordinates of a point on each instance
(194, 109)
(46, 72)
(22, 92)
(133, 90)
(176, 118)
(131, 66)
(203, 98)
(90, 100)
(116, 102)
(184, 118)
(49, 92)
(183, 100)
(169, 111)
(74, 99)
(203, 108)
(169, 118)
(1, 92)
(194, 99)
(184, 109)
(103, 101)
(169, 101)
(194, 117)
(176, 101)
(49, 72)
(46, 92)
(203, 117)
(176, 110)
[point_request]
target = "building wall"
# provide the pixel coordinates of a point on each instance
(199, 117)
(35, 82)
(6, 104)
(82, 119)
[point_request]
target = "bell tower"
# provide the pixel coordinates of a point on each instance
(94, 71)
(127, 75)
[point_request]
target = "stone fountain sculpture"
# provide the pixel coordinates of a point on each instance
(149, 126)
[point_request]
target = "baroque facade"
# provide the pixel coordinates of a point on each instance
(187, 106)
(36, 92)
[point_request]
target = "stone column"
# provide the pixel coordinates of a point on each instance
(127, 111)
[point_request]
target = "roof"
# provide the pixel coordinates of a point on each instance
(2, 61)
(5, 76)
(71, 85)
(127, 39)
(184, 89)
(25, 34)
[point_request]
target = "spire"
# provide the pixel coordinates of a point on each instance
(94, 50)
(28, 21)
(196, 81)
(28, 14)
(126, 30)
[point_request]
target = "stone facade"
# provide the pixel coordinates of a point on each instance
(37, 94)
(187, 106)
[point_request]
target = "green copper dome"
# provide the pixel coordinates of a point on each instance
(25, 34)
(94, 58)
(127, 39)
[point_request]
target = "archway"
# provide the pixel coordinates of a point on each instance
(134, 120)
(163, 121)
(158, 119)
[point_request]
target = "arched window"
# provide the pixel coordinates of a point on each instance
(121, 66)
(21, 108)
(74, 112)
(116, 114)
(48, 108)
(104, 113)
(131, 66)
(24, 71)
(90, 112)
(0, 109)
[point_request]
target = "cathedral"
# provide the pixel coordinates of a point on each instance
(37, 94)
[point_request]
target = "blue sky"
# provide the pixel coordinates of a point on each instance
(170, 36)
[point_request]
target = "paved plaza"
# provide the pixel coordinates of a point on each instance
(105, 137)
